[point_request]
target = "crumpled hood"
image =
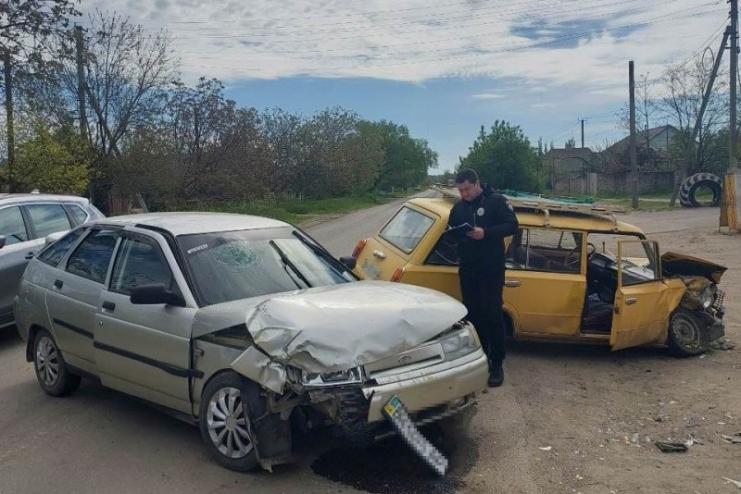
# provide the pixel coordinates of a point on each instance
(343, 326)
(337, 327)
(673, 264)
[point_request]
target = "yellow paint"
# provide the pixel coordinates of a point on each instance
(728, 216)
(642, 311)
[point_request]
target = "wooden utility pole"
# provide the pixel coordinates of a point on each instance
(9, 128)
(582, 133)
(728, 211)
(679, 177)
(80, 58)
(633, 154)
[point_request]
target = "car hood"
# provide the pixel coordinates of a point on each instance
(673, 264)
(338, 327)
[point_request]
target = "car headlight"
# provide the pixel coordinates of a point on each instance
(707, 297)
(460, 343)
(350, 376)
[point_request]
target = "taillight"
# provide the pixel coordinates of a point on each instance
(397, 275)
(359, 248)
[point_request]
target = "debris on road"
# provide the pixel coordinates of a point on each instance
(723, 344)
(734, 439)
(545, 448)
(668, 447)
(732, 482)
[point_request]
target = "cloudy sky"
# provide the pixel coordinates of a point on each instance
(443, 68)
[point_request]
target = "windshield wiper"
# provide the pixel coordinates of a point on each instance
(323, 253)
(287, 262)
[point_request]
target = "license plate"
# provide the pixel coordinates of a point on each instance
(397, 414)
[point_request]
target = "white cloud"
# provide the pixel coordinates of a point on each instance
(488, 95)
(418, 40)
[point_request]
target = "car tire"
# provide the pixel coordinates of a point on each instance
(223, 423)
(51, 370)
(685, 335)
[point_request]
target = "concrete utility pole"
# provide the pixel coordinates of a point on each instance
(633, 154)
(582, 133)
(731, 185)
(80, 58)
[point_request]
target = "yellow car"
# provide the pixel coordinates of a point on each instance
(574, 274)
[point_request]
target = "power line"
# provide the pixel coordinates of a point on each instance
(425, 42)
(565, 37)
(497, 15)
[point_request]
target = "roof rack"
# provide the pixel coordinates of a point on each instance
(545, 205)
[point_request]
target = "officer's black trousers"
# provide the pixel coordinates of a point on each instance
(482, 296)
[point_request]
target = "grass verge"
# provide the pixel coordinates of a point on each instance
(293, 210)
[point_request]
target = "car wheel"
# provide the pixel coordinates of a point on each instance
(51, 370)
(685, 335)
(223, 423)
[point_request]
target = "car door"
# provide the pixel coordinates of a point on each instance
(14, 255)
(72, 298)
(643, 302)
(144, 350)
(545, 282)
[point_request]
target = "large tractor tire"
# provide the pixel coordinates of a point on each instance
(693, 183)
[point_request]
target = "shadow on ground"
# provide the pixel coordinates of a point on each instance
(390, 466)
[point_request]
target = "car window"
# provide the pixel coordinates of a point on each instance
(12, 226)
(445, 252)
(540, 249)
(48, 218)
(406, 229)
(55, 252)
(91, 258)
(78, 214)
(139, 263)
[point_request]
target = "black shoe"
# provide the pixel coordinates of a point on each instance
(496, 376)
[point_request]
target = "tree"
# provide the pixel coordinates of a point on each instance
(55, 163)
(128, 73)
(503, 157)
(406, 159)
(570, 144)
(25, 26)
(686, 84)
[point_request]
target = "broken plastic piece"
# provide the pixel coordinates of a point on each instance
(734, 439)
(667, 447)
(731, 481)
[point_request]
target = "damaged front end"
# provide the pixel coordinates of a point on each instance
(333, 356)
(703, 299)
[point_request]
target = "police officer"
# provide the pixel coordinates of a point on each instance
(489, 220)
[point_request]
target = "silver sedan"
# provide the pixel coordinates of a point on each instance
(239, 323)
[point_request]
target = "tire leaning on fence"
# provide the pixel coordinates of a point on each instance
(693, 183)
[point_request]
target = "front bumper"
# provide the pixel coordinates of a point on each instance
(453, 383)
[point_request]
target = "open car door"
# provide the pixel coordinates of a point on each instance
(643, 301)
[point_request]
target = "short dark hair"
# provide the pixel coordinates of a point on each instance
(467, 175)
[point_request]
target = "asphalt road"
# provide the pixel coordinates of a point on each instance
(569, 419)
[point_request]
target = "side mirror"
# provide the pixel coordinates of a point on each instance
(156, 294)
(2, 241)
(53, 237)
(349, 261)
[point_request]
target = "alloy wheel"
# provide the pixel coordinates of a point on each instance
(227, 423)
(47, 361)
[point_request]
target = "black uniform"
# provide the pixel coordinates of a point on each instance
(481, 265)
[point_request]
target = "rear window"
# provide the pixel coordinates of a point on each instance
(48, 219)
(406, 229)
